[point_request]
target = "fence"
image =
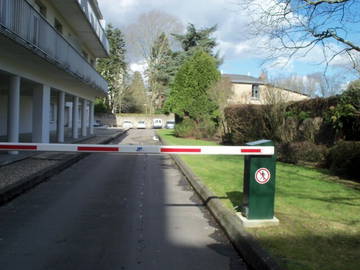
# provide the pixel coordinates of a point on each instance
(90, 14)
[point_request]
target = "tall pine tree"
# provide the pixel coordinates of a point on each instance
(195, 39)
(114, 68)
(135, 99)
(160, 71)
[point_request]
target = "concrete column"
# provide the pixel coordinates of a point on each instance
(14, 111)
(91, 118)
(60, 117)
(83, 118)
(75, 117)
(41, 114)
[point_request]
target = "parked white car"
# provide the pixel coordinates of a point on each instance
(157, 123)
(97, 123)
(170, 124)
(127, 124)
(141, 124)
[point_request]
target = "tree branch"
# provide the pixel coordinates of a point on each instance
(315, 3)
(332, 34)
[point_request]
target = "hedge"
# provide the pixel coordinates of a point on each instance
(319, 120)
(344, 159)
(321, 130)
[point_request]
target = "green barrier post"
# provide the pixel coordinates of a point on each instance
(259, 185)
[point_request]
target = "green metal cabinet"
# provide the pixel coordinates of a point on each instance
(259, 184)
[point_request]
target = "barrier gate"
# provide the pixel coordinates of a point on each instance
(259, 170)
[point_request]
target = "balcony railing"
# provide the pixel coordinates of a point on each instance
(92, 18)
(21, 19)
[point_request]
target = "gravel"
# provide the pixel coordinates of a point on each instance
(14, 172)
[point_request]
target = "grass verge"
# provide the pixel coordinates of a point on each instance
(319, 214)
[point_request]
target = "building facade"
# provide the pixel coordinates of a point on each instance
(251, 90)
(48, 81)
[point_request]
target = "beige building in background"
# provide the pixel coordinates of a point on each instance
(251, 90)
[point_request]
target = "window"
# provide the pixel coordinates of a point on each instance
(42, 8)
(58, 26)
(255, 93)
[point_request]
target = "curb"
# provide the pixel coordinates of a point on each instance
(245, 243)
(10, 192)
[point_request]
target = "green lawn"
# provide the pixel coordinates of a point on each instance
(319, 214)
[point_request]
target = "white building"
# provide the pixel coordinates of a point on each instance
(48, 50)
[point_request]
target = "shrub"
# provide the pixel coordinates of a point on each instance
(314, 107)
(302, 151)
(309, 130)
(344, 159)
(189, 128)
(185, 129)
(321, 121)
(352, 95)
(100, 106)
(206, 129)
(246, 123)
(351, 125)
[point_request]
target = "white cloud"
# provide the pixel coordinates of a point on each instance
(279, 64)
(139, 66)
(234, 36)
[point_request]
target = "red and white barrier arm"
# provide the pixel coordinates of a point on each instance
(147, 149)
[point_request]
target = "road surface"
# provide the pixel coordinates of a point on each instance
(114, 211)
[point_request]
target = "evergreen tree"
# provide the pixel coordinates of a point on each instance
(195, 39)
(160, 71)
(114, 68)
(135, 98)
(189, 96)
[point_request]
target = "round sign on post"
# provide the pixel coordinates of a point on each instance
(262, 176)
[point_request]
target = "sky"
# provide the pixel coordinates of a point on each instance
(238, 47)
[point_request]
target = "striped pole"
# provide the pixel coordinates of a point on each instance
(146, 149)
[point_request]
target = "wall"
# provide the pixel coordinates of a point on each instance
(67, 114)
(117, 120)
(268, 94)
(242, 94)
(25, 114)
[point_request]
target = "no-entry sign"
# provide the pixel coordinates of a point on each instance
(262, 176)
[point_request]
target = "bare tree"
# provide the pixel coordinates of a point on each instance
(299, 26)
(354, 68)
(142, 34)
(314, 84)
(220, 93)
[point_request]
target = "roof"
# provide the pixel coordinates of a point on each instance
(237, 78)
